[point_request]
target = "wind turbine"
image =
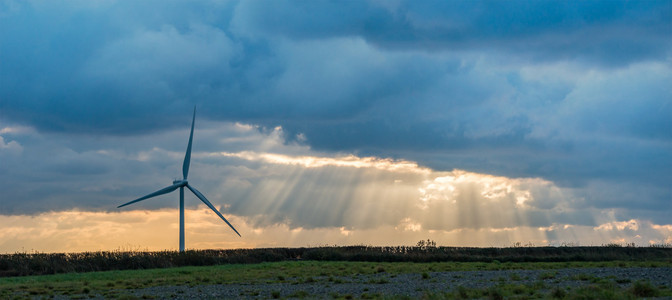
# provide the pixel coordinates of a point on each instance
(181, 184)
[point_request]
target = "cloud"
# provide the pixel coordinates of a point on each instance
(10, 147)
(591, 33)
(264, 176)
(620, 226)
(350, 161)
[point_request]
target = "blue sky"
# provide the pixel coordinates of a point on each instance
(565, 105)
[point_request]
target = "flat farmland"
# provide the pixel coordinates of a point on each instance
(640, 276)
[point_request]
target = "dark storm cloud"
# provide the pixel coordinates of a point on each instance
(101, 67)
(594, 32)
(574, 92)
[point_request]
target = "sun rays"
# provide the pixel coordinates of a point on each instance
(285, 194)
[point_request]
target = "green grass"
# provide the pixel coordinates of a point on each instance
(606, 290)
(111, 284)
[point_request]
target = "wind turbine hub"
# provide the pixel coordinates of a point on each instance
(180, 182)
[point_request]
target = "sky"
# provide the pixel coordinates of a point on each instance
(471, 123)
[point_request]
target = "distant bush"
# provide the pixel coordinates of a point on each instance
(22, 264)
(644, 289)
(668, 245)
(428, 244)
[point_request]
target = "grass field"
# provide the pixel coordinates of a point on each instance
(114, 284)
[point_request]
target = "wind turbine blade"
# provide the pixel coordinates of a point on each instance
(200, 196)
(187, 157)
(157, 193)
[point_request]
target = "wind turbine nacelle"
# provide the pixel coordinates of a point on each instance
(180, 182)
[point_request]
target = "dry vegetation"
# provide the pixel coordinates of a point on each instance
(24, 264)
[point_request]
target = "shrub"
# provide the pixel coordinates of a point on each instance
(495, 294)
(558, 293)
(644, 289)
(547, 275)
(462, 293)
(299, 294)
